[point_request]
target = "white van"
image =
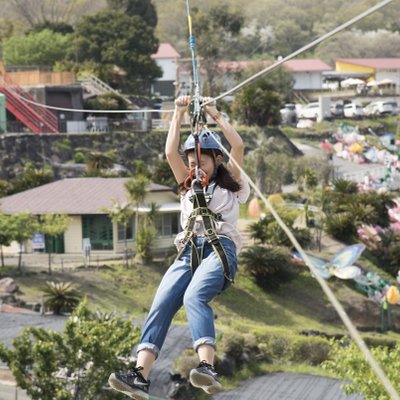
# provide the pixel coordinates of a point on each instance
(353, 110)
(310, 111)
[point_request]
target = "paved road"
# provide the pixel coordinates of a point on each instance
(344, 168)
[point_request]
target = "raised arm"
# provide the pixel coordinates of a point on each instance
(231, 135)
(174, 159)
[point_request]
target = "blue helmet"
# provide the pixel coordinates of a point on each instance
(206, 140)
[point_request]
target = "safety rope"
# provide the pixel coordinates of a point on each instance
(197, 112)
(326, 289)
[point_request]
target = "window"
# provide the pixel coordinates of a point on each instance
(128, 233)
(167, 224)
(98, 228)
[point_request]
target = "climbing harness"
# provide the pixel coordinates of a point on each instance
(198, 181)
(338, 307)
(208, 219)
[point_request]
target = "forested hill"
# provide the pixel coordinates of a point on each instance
(275, 27)
(268, 28)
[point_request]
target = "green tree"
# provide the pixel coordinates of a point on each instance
(142, 8)
(137, 189)
(7, 233)
(42, 48)
(75, 363)
(122, 214)
(31, 177)
(5, 187)
(25, 225)
(348, 362)
(53, 225)
(107, 101)
(215, 31)
(162, 175)
(113, 38)
(58, 27)
(260, 102)
(98, 163)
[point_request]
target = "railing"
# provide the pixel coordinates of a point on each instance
(97, 86)
(37, 118)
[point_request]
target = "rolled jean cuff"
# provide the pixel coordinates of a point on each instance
(150, 347)
(204, 340)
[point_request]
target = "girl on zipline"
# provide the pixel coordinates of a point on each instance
(208, 247)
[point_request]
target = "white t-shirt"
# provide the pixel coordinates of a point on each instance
(223, 202)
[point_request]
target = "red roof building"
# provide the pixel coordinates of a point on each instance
(167, 59)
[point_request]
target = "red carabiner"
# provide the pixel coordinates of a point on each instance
(187, 184)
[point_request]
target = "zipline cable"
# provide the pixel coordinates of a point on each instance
(305, 48)
(247, 81)
(325, 287)
(89, 111)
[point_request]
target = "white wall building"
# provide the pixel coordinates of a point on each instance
(167, 59)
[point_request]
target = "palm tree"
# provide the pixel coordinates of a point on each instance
(137, 189)
(61, 296)
(98, 162)
(122, 214)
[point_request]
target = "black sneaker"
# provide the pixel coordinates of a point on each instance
(130, 383)
(206, 378)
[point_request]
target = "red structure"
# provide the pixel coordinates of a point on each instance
(38, 119)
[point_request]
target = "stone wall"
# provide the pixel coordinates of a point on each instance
(59, 150)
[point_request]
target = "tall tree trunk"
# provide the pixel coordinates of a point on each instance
(20, 259)
(49, 262)
(2, 256)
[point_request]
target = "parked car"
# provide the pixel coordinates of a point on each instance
(289, 114)
(395, 107)
(310, 111)
(337, 110)
(353, 110)
(379, 108)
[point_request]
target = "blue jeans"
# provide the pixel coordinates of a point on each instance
(194, 291)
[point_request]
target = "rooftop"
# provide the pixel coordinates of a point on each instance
(378, 63)
(165, 50)
(307, 65)
(74, 196)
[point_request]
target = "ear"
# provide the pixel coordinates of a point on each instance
(219, 160)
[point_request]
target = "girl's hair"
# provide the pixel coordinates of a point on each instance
(223, 177)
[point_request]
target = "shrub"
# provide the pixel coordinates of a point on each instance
(349, 363)
(232, 345)
(267, 230)
(63, 145)
(270, 266)
(341, 226)
(275, 347)
(310, 350)
(60, 297)
(79, 157)
(187, 362)
(143, 242)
